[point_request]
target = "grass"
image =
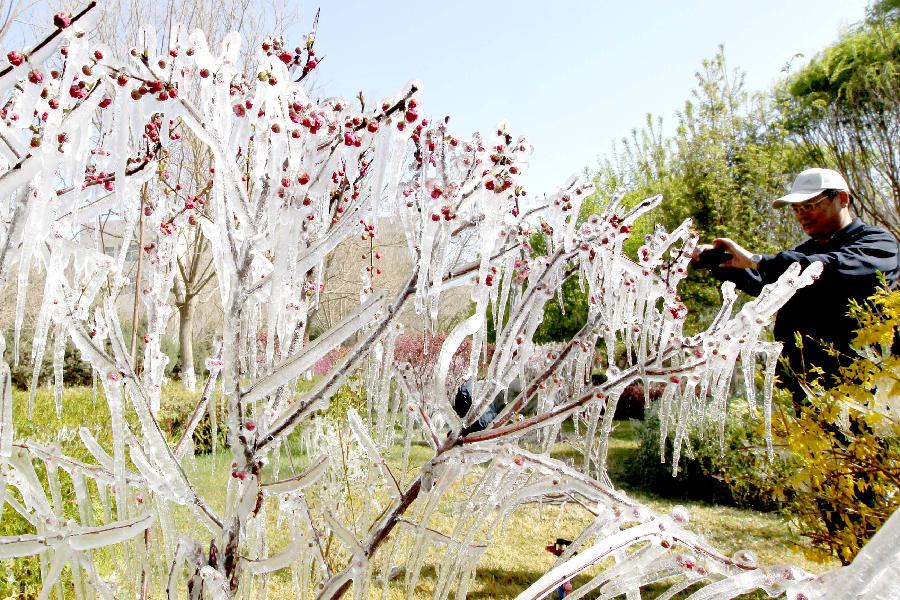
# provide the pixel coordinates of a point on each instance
(768, 534)
(516, 556)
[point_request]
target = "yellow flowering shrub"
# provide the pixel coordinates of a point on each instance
(846, 441)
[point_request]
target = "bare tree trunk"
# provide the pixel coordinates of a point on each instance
(186, 342)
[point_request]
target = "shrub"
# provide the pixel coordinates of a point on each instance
(421, 354)
(325, 364)
(176, 407)
(76, 372)
(632, 401)
(846, 442)
(743, 476)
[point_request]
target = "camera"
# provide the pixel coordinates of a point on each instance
(713, 257)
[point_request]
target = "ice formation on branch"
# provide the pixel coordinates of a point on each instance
(86, 133)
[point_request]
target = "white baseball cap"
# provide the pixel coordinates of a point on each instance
(810, 183)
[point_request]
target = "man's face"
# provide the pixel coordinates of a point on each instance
(820, 217)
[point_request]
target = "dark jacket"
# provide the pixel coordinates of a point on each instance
(852, 260)
(463, 402)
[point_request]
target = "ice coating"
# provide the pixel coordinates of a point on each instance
(292, 181)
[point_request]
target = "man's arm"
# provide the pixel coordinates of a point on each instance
(872, 252)
(740, 268)
(749, 281)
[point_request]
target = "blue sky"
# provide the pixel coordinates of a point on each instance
(572, 76)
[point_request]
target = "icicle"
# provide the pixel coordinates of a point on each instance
(609, 411)
(6, 401)
(113, 391)
(30, 238)
(665, 407)
(748, 364)
(593, 417)
(104, 502)
(51, 291)
(407, 425)
(53, 481)
(682, 420)
(59, 350)
(772, 353)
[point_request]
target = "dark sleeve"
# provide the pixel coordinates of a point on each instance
(751, 281)
(872, 252)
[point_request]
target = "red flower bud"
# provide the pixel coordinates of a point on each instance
(77, 92)
(62, 20)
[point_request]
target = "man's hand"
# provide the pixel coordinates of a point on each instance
(700, 249)
(741, 258)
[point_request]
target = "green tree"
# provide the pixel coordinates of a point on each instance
(844, 109)
(729, 156)
(731, 160)
(562, 320)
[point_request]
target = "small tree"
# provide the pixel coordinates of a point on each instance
(189, 162)
(292, 179)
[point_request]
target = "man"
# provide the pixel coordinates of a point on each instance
(853, 254)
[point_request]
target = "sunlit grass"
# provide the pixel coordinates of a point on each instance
(515, 558)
